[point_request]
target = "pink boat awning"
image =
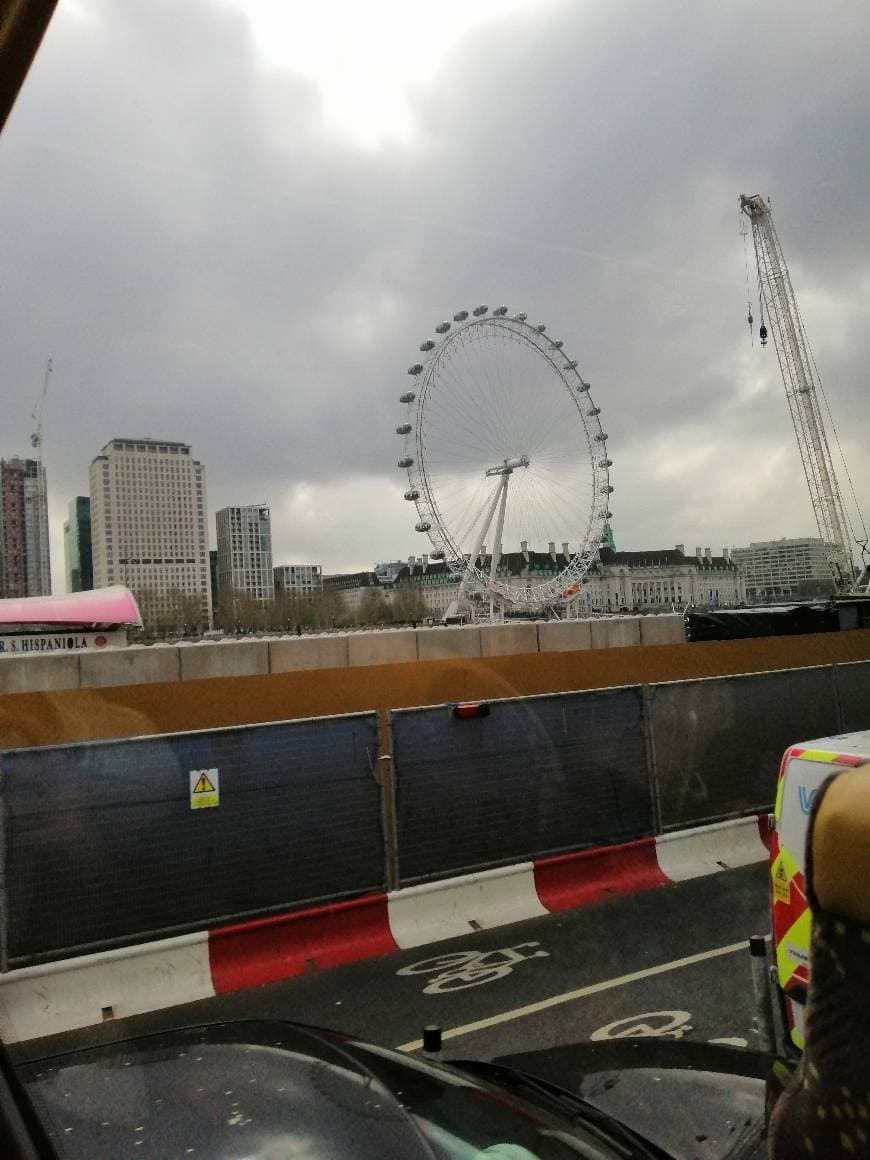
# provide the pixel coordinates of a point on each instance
(100, 608)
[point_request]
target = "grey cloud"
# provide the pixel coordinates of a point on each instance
(204, 261)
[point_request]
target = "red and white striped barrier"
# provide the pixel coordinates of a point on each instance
(62, 996)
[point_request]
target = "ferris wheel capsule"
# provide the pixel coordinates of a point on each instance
(582, 387)
(415, 368)
(593, 410)
(521, 317)
(427, 345)
(412, 494)
(571, 365)
(408, 397)
(404, 429)
(460, 316)
(556, 344)
(422, 526)
(406, 461)
(442, 327)
(499, 312)
(601, 437)
(479, 311)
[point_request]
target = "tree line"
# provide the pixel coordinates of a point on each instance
(179, 614)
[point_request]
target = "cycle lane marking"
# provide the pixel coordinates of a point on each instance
(581, 993)
(457, 970)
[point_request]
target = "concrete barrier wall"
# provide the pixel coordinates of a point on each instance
(138, 665)
(502, 640)
(52, 699)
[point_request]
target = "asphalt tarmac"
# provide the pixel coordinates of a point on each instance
(671, 961)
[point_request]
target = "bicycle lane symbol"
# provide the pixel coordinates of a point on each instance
(458, 969)
(656, 1024)
(651, 1024)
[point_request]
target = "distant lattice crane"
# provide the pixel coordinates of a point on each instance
(802, 387)
(38, 410)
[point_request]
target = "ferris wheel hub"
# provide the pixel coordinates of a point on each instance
(508, 466)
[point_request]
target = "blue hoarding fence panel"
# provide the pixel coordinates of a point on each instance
(853, 695)
(719, 741)
(102, 847)
(535, 776)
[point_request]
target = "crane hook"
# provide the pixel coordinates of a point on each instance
(762, 330)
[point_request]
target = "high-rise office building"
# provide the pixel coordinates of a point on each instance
(244, 552)
(25, 564)
(78, 561)
(148, 524)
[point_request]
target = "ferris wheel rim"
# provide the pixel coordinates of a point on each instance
(424, 493)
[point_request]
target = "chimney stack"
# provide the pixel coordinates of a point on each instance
(707, 555)
(553, 550)
(565, 549)
(681, 548)
(524, 548)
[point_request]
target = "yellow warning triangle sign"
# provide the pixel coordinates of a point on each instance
(780, 870)
(203, 785)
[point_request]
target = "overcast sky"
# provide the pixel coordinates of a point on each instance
(232, 222)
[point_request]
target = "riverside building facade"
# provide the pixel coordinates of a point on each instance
(785, 569)
(298, 579)
(655, 580)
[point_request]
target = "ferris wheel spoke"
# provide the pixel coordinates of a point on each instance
(470, 426)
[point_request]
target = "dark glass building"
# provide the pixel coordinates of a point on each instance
(78, 560)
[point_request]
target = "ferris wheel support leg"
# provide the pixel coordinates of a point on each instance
(499, 527)
(490, 512)
(496, 544)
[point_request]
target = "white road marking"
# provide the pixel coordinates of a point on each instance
(581, 993)
(461, 969)
(672, 1024)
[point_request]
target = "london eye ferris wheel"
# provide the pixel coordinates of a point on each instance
(504, 449)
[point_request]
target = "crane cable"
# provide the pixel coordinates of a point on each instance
(742, 219)
(762, 329)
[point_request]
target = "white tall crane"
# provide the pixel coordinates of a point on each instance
(38, 410)
(802, 388)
